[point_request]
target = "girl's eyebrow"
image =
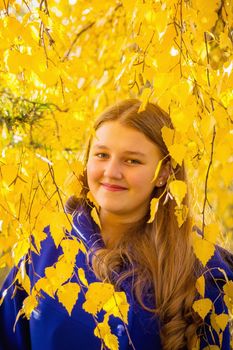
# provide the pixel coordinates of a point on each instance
(136, 153)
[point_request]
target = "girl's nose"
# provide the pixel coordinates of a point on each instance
(113, 169)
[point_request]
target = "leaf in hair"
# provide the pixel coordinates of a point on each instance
(154, 204)
(157, 170)
(181, 213)
(178, 190)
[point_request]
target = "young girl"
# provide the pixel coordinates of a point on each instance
(147, 256)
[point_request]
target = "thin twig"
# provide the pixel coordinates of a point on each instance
(206, 179)
(207, 70)
(76, 38)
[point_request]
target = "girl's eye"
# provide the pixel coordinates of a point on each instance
(101, 155)
(133, 161)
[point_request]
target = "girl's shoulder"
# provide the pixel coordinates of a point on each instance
(220, 264)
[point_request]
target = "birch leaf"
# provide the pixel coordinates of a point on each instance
(222, 320)
(203, 249)
(202, 307)
(68, 295)
(200, 285)
(154, 204)
(178, 190)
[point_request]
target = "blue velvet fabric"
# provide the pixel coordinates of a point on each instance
(51, 328)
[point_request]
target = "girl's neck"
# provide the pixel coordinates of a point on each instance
(113, 228)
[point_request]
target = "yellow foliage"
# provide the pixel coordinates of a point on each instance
(97, 296)
(103, 331)
(20, 249)
(58, 222)
(29, 304)
(202, 307)
(95, 216)
(118, 306)
(203, 249)
(178, 190)
(154, 204)
(68, 295)
(200, 285)
(181, 213)
(177, 151)
(222, 320)
(23, 278)
(82, 277)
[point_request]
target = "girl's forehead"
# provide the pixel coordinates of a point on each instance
(117, 129)
(117, 136)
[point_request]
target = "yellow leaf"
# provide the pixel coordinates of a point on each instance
(118, 306)
(177, 152)
(157, 170)
(178, 190)
(58, 222)
(181, 213)
(211, 232)
(145, 99)
(97, 295)
(200, 285)
(82, 277)
(20, 249)
(203, 249)
(68, 295)
(222, 320)
(45, 285)
(39, 236)
(180, 120)
(95, 216)
(212, 347)
(60, 273)
(29, 304)
(23, 278)
(103, 331)
(168, 135)
(228, 289)
(202, 307)
(226, 173)
(70, 247)
(224, 41)
(154, 204)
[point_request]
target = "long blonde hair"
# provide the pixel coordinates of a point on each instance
(159, 256)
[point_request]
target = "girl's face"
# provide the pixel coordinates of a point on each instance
(120, 169)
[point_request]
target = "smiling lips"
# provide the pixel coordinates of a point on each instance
(113, 188)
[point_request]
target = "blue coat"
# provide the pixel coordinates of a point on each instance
(51, 328)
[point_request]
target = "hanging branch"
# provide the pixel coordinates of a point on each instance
(181, 37)
(207, 70)
(75, 40)
(212, 142)
(206, 179)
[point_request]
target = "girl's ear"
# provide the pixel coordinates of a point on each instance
(164, 174)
